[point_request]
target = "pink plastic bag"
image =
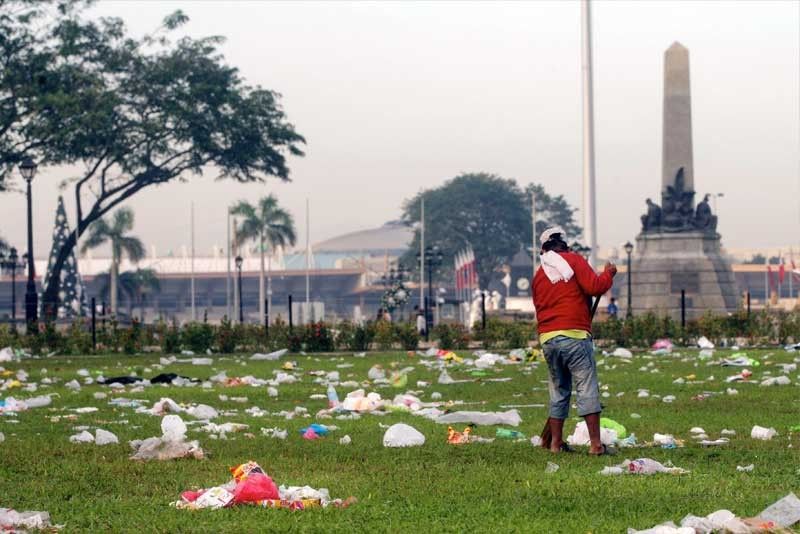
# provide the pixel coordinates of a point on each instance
(256, 487)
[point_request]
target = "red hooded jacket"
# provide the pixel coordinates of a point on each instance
(565, 305)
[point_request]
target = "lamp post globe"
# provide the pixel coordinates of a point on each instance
(629, 250)
(28, 170)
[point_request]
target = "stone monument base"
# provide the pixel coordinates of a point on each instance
(663, 264)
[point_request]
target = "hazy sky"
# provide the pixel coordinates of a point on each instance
(397, 97)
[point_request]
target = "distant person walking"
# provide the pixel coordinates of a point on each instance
(562, 291)
(613, 310)
(421, 325)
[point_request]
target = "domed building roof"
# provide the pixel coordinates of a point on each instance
(393, 238)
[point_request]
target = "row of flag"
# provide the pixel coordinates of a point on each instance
(465, 271)
(777, 277)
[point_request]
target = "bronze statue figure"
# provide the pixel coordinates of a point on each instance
(678, 211)
(703, 218)
(651, 221)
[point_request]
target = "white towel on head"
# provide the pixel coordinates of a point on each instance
(555, 267)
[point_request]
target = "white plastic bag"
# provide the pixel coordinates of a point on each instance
(581, 435)
(7, 355)
(785, 512)
(272, 356)
(764, 434)
(203, 412)
(83, 437)
(704, 343)
(510, 417)
(104, 437)
(173, 428)
(402, 435)
(621, 352)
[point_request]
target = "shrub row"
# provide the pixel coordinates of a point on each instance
(759, 328)
(225, 338)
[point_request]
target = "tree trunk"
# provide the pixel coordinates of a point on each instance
(113, 283)
(261, 281)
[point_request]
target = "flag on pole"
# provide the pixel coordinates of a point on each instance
(771, 277)
(473, 275)
(457, 270)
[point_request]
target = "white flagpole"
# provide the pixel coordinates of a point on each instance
(228, 279)
(534, 250)
(308, 263)
(589, 213)
(194, 311)
(422, 257)
(766, 283)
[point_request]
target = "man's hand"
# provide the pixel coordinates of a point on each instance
(610, 268)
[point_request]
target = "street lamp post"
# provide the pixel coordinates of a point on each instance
(11, 265)
(433, 258)
(628, 251)
(28, 169)
(239, 261)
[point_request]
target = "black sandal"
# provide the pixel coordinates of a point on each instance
(606, 452)
(565, 448)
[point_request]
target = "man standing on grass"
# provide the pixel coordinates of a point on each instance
(562, 290)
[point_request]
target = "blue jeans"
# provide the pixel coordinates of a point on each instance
(569, 359)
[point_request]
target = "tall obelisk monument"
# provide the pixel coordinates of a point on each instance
(677, 134)
(679, 268)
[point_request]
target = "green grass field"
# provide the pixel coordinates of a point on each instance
(499, 486)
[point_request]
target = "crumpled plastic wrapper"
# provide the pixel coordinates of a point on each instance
(171, 445)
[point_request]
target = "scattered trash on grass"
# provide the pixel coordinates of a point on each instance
(272, 356)
(510, 417)
(704, 343)
(782, 514)
(402, 435)
(764, 434)
(104, 437)
(11, 520)
(251, 485)
(172, 443)
(642, 466)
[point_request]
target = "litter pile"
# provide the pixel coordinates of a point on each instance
(783, 514)
(172, 443)
(13, 521)
(251, 485)
(642, 466)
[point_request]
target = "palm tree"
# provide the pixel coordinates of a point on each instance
(269, 225)
(135, 285)
(114, 232)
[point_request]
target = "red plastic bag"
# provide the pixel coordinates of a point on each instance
(256, 487)
(191, 496)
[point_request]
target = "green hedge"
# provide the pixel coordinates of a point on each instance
(200, 337)
(765, 327)
(760, 328)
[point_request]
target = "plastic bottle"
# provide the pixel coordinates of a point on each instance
(333, 398)
(508, 433)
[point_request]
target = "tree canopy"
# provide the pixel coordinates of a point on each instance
(491, 213)
(266, 222)
(134, 112)
(47, 59)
